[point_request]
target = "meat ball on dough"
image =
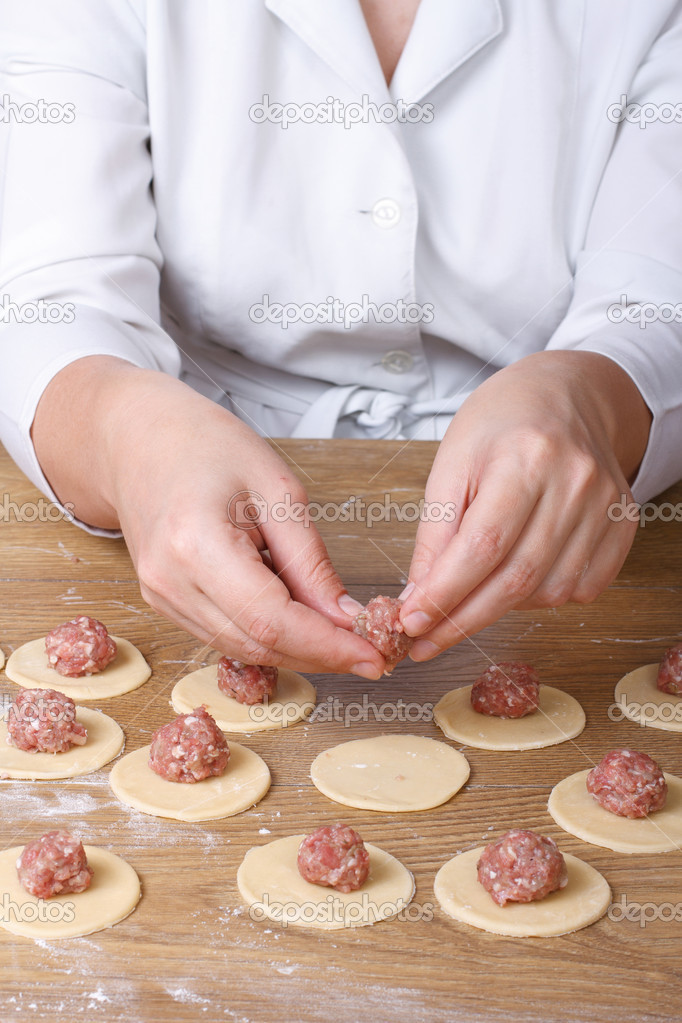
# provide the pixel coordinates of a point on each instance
(53, 864)
(189, 749)
(334, 856)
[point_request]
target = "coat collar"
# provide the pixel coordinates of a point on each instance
(337, 32)
(446, 33)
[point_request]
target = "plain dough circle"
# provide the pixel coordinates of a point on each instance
(244, 783)
(2, 659)
(268, 880)
(105, 741)
(113, 894)
(579, 813)
(28, 667)
(585, 899)
(637, 695)
(293, 700)
(558, 718)
(390, 773)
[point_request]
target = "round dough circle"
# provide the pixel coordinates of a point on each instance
(105, 741)
(244, 783)
(579, 813)
(113, 894)
(271, 885)
(28, 667)
(558, 718)
(2, 659)
(390, 773)
(640, 700)
(585, 899)
(293, 700)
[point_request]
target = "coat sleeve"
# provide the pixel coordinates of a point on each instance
(79, 262)
(627, 298)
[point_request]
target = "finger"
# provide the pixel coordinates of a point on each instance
(589, 561)
(442, 518)
(605, 564)
(490, 527)
(558, 586)
(266, 559)
(243, 600)
(227, 639)
(259, 604)
(520, 575)
(586, 566)
(303, 564)
(210, 626)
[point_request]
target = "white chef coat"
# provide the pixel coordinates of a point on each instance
(164, 213)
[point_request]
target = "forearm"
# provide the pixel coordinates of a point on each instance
(93, 415)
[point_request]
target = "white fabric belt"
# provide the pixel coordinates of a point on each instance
(379, 414)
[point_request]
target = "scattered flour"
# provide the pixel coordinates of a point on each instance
(187, 997)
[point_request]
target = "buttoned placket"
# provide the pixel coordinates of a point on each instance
(444, 36)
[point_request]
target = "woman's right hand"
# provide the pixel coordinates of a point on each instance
(143, 452)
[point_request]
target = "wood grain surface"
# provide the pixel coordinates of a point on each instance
(190, 950)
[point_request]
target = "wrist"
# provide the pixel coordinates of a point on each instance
(616, 399)
(605, 396)
(78, 429)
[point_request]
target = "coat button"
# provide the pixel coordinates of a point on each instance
(386, 213)
(397, 361)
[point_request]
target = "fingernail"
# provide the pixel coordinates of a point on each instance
(366, 670)
(416, 623)
(407, 591)
(424, 650)
(348, 605)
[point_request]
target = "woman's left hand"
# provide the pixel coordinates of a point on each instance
(533, 461)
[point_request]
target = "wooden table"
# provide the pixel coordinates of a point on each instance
(190, 950)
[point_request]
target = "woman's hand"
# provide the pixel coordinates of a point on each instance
(533, 460)
(142, 452)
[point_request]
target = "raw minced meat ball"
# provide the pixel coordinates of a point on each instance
(670, 671)
(628, 783)
(189, 749)
(44, 721)
(522, 866)
(246, 683)
(334, 856)
(509, 689)
(80, 647)
(54, 864)
(380, 623)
